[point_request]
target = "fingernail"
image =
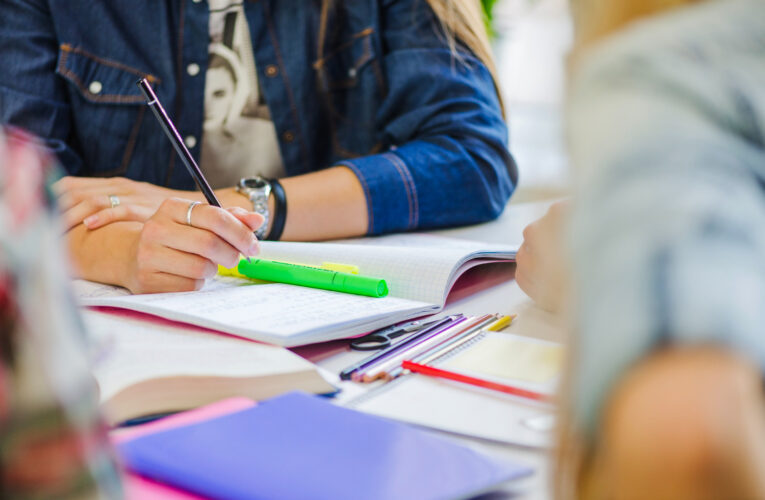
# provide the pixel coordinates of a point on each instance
(254, 248)
(90, 220)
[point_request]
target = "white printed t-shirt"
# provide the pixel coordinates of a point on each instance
(239, 137)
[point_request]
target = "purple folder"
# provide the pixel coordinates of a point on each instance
(300, 446)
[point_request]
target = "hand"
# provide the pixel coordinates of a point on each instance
(86, 200)
(168, 255)
(541, 269)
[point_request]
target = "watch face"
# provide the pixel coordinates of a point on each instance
(254, 183)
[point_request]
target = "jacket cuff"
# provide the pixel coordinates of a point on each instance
(390, 191)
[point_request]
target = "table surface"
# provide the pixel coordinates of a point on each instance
(506, 298)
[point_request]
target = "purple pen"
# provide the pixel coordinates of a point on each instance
(361, 374)
(348, 372)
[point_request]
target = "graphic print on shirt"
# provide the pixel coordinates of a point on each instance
(239, 136)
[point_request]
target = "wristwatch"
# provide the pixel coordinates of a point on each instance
(257, 189)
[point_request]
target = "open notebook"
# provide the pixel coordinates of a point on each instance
(419, 269)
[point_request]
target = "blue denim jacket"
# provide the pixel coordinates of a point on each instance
(385, 97)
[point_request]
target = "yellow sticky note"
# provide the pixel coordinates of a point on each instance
(511, 357)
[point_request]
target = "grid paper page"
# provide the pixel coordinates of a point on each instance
(416, 267)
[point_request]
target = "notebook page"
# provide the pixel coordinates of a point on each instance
(275, 313)
(416, 267)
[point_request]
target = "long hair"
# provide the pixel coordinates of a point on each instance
(461, 21)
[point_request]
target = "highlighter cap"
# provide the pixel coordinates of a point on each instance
(363, 285)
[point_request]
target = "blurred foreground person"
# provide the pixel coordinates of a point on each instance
(666, 125)
(52, 444)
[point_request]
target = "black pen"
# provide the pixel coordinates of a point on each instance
(177, 142)
(175, 139)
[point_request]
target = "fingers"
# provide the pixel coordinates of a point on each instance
(190, 240)
(251, 219)
(524, 272)
(150, 281)
(126, 212)
(72, 191)
(75, 215)
(159, 258)
(217, 221)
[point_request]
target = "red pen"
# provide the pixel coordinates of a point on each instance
(466, 379)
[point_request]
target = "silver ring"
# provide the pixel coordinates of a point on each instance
(114, 200)
(188, 212)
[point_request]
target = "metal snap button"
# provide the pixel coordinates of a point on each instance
(95, 87)
(288, 136)
(190, 141)
(272, 70)
(192, 69)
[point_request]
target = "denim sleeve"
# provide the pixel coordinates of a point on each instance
(449, 162)
(32, 97)
(668, 233)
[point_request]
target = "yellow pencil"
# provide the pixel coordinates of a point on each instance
(501, 323)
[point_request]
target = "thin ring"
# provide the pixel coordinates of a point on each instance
(114, 200)
(188, 212)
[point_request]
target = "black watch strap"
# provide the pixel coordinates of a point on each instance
(279, 216)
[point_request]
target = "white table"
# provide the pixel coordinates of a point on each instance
(506, 298)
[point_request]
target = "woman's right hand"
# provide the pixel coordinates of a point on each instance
(168, 255)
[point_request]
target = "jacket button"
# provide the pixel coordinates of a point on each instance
(288, 136)
(190, 141)
(192, 69)
(95, 87)
(272, 70)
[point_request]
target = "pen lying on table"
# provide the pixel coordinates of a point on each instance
(391, 367)
(397, 347)
(426, 346)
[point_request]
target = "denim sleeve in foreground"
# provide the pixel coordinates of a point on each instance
(32, 96)
(449, 164)
(669, 231)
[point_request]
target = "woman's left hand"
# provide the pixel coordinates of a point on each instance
(88, 200)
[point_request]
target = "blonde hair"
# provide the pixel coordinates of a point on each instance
(461, 20)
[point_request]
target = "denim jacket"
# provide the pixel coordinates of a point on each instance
(382, 94)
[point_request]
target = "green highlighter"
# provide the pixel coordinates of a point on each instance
(294, 274)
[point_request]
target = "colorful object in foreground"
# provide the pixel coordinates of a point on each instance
(466, 379)
(52, 440)
(294, 274)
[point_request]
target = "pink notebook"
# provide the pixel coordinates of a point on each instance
(139, 488)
